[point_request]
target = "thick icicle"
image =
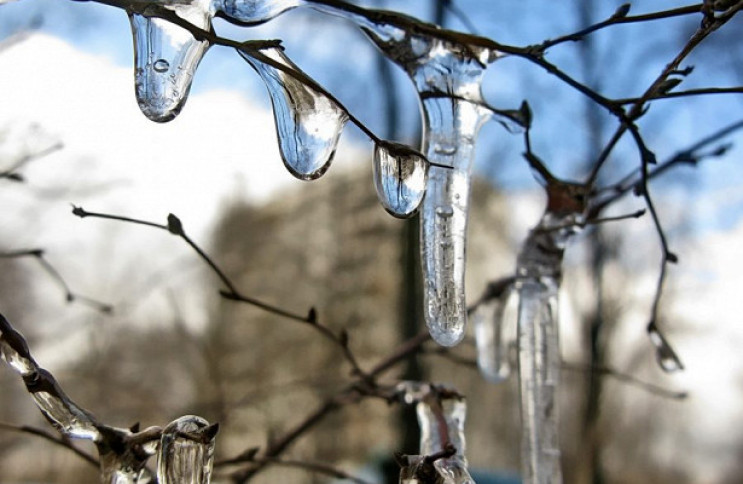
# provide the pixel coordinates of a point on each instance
(123, 453)
(495, 332)
(308, 123)
(254, 12)
(447, 77)
(441, 415)
(538, 278)
(166, 57)
(186, 451)
(400, 178)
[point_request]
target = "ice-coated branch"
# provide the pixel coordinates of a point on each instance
(122, 452)
(54, 274)
(441, 414)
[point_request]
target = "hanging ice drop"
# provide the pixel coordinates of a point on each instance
(253, 12)
(399, 177)
(308, 123)
(186, 451)
(667, 358)
(166, 57)
(495, 336)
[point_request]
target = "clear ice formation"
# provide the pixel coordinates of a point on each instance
(122, 452)
(447, 76)
(308, 123)
(186, 451)
(538, 277)
(441, 414)
(664, 353)
(166, 57)
(496, 336)
(254, 12)
(400, 178)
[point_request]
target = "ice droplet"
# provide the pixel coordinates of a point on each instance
(254, 12)
(186, 451)
(161, 65)
(308, 123)
(399, 177)
(166, 57)
(667, 358)
(496, 337)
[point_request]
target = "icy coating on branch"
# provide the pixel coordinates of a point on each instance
(308, 123)
(538, 278)
(186, 451)
(441, 415)
(166, 57)
(186, 445)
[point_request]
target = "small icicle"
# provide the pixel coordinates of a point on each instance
(166, 57)
(667, 358)
(308, 123)
(186, 451)
(123, 454)
(254, 12)
(400, 178)
(495, 334)
(441, 415)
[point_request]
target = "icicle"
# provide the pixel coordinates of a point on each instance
(124, 453)
(400, 178)
(495, 335)
(441, 415)
(667, 358)
(308, 123)
(539, 369)
(538, 276)
(166, 57)
(186, 451)
(254, 12)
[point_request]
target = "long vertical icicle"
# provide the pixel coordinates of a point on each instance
(447, 77)
(441, 415)
(538, 277)
(186, 451)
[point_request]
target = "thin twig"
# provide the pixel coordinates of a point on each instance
(627, 379)
(54, 274)
(55, 439)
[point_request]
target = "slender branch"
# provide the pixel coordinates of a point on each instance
(620, 17)
(11, 172)
(627, 379)
(686, 93)
(55, 275)
(353, 393)
(55, 439)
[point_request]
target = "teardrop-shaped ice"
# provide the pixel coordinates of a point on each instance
(667, 358)
(399, 177)
(166, 57)
(496, 337)
(308, 123)
(253, 12)
(186, 451)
